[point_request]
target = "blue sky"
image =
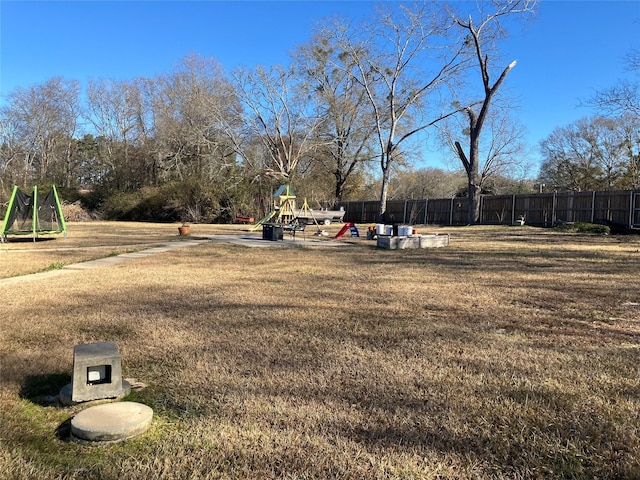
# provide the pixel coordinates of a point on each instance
(569, 51)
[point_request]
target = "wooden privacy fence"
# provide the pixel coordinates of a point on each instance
(543, 209)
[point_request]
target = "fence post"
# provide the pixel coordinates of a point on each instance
(593, 206)
(426, 206)
(513, 210)
(451, 212)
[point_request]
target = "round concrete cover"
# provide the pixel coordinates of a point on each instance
(111, 422)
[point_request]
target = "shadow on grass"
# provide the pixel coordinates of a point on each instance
(63, 432)
(11, 239)
(43, 389)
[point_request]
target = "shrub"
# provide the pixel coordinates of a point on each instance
(190, 200)
(118, 205)
(582, 227)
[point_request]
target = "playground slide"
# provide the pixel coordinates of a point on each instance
(345, 228)
(261, 221)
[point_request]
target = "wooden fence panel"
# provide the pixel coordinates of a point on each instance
(574, 207)
(416, 212)
(545, 209)
(612, 207)
(394, 212)
(538, 209)
(355, 212)
(460, 214)
(371, 211)
(439, 211)
(497, 210)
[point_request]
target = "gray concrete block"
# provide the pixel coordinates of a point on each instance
(97, 372)
(437, 240)
(412, 241)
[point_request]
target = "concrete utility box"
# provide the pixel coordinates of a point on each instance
(413, 241)
(97, 372)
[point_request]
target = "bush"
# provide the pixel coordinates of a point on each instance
(192, 200)
(118, 205)
(581, 227)
(188, 200)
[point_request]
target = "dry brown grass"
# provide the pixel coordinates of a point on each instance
(513, 353)
(20, 255)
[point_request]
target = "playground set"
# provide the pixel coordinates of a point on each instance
(287, 217)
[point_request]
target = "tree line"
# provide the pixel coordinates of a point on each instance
(339, 122)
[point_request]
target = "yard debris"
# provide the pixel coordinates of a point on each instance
(74, 212)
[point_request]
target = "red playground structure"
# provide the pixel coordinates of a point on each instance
(348, 226)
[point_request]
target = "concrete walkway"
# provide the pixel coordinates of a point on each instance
(255, 240)
(247, 240)
(101, 262)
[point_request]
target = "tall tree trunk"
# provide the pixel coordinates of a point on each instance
(339, 191)
(474, 202)
(384, 191)
(474, 179)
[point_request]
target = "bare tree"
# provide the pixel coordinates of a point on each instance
(276, 113)
(44, 120)
(624, 97)
(345, 139)
(187, 105)
(501, 151)
(594, 153)
(621, 104)
(120, 114)
(426, 183)
(482, 37)
(402, 61)
(10, 153)
(629, 132)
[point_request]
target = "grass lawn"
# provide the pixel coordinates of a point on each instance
(512, 353)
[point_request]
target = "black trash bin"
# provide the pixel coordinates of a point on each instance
(273, 232)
